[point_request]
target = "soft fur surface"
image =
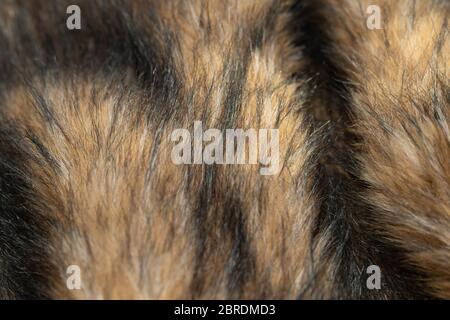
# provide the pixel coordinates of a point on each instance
(86, 176)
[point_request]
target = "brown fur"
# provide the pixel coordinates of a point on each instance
(364, 147)
(401, 103)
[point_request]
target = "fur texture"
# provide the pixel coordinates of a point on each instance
(86, 176)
